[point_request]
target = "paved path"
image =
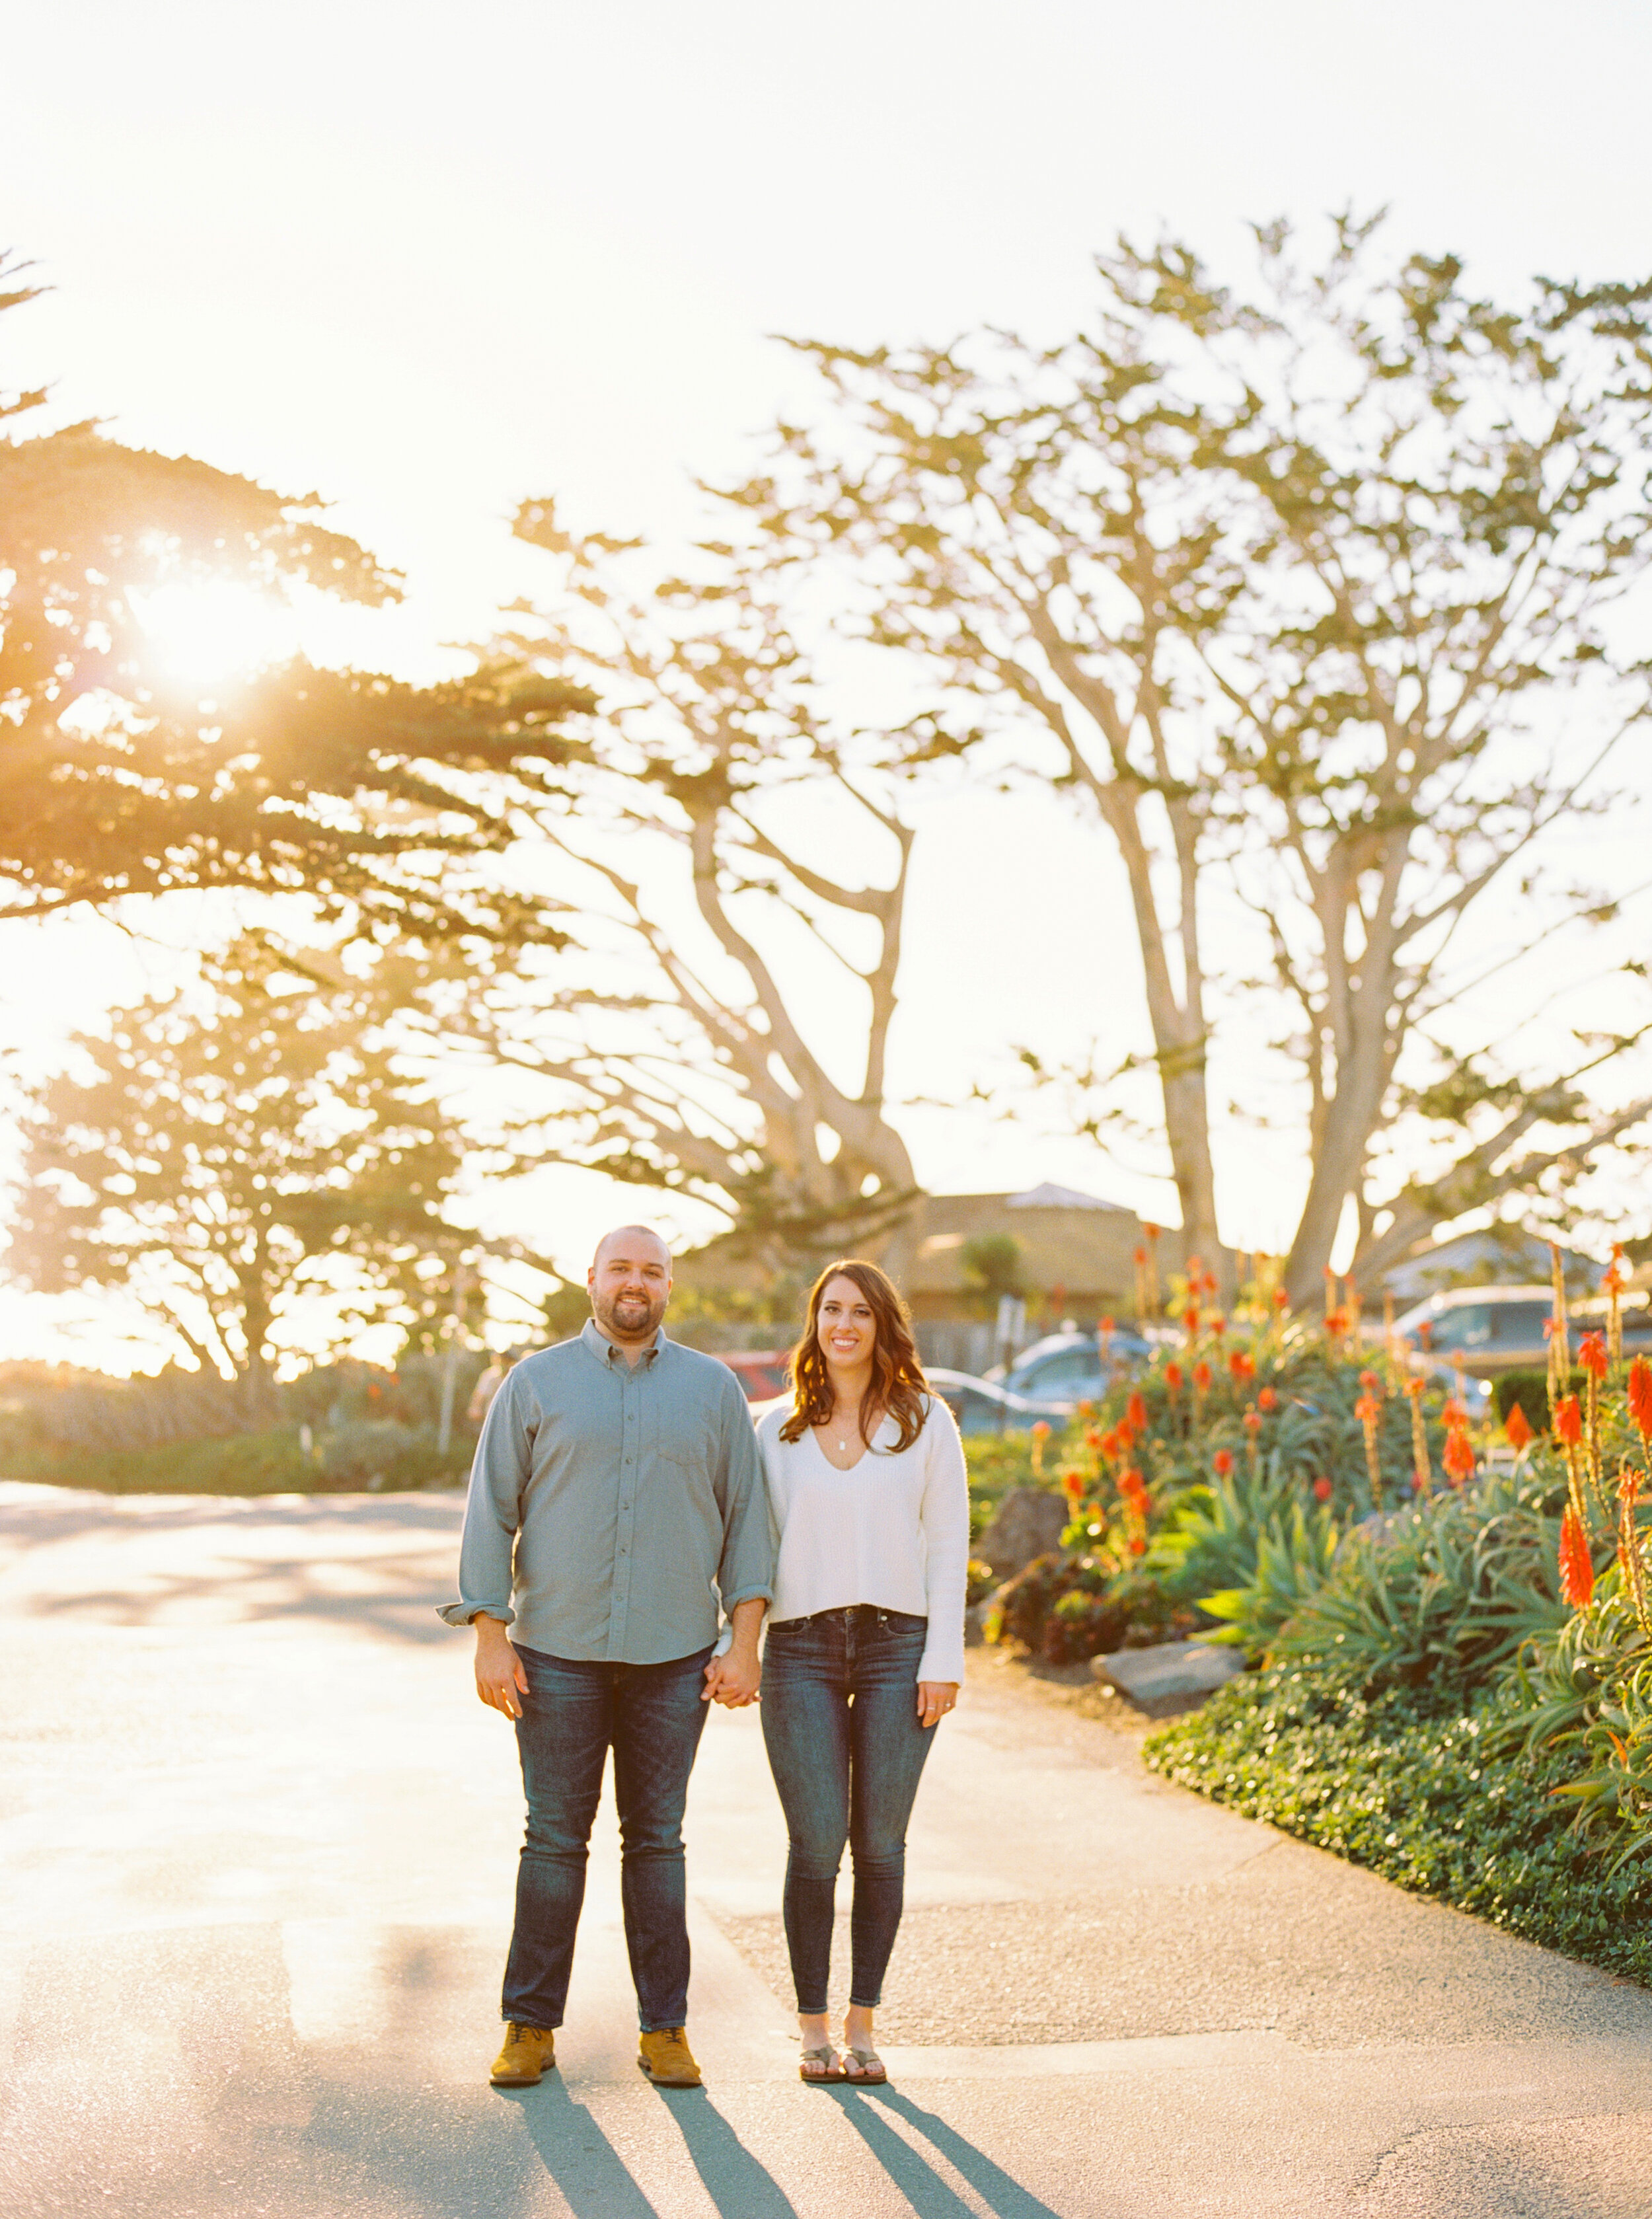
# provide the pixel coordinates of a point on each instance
(256, 1841)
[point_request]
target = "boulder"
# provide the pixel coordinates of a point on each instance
(1029, 1522)
(1175, 1677)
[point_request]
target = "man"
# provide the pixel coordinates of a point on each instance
(615, 1497)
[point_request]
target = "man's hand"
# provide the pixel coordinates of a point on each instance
(732, 1678)
(935, 1699)
(501, 1681)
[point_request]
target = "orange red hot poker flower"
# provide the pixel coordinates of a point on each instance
(1459, 1457)
(1576, 1568)
(1640, 1396)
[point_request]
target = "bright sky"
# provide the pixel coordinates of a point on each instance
(429, 259)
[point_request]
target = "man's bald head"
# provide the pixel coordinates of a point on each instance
(629, 1281)
(628, 1239)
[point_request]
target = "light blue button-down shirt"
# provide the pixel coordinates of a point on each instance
(613, 1506)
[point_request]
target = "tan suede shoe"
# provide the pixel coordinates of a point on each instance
(530, 2052)
(667, 2059)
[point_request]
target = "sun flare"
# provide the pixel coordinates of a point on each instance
(208, 633)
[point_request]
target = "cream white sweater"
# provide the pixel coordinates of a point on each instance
(893, 1532)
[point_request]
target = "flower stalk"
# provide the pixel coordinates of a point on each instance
(1421, 1466)
(1560, 1347)
(1630, 1547)
(1369, 1411)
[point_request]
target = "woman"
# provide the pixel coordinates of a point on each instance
(866, 1635)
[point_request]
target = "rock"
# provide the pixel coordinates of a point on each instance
(1175, 1677)
(1028, 1522)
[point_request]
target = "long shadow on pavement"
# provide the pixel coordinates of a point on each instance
(739, 2187)
(579, 2157)
(930, 2195)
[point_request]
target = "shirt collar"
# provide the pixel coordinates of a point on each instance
(608, 1352)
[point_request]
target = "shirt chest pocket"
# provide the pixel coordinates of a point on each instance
(687, 1444)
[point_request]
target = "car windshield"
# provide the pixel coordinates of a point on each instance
(1468, 1327)
(1065, 1363)
(1519, 1324)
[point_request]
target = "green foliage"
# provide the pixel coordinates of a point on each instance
(1065, 1608)
(1531, 1390)
(271, 1463)
(1443, 1594)
(991, 1263)
(226, 1157)
(344, 786)
(1416, 1791)
(1586, 1694)
(1294, 1556)
(1245, 1548)
(372, 1454)
(383, 1452)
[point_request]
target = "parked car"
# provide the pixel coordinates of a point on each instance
(1068, 1368)
(984, 1406)
(1493, 1329)
(760, 1371)
(1485, 1329)
(980, 1406)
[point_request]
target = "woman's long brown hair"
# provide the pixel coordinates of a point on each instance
(897, 1387)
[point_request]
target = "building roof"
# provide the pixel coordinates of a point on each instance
(1078, 1243)
(1072, 1241)
(1498, 1255)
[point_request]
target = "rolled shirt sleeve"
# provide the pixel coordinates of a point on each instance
(944, 1517)
(493, 1510)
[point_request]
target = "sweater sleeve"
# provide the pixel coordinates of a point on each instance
(944, 1516)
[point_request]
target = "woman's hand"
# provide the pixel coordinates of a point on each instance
(935, 1699)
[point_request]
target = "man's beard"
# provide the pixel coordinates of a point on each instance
(635, 1318)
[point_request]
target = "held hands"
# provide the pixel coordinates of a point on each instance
(500, 1680)
(935, 1699)
(732, 1678)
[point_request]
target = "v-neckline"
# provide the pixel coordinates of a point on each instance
(844, 1469)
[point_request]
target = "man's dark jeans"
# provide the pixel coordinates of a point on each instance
(840, 1718)
(652, 1717)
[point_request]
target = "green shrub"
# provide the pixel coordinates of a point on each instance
(1531, 1390)
(1584, 1693)
(380, 1452)
(1415, 1791)
(1444, 1594)
(1246, 1549)
(273, 1462)
(245, 1463)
